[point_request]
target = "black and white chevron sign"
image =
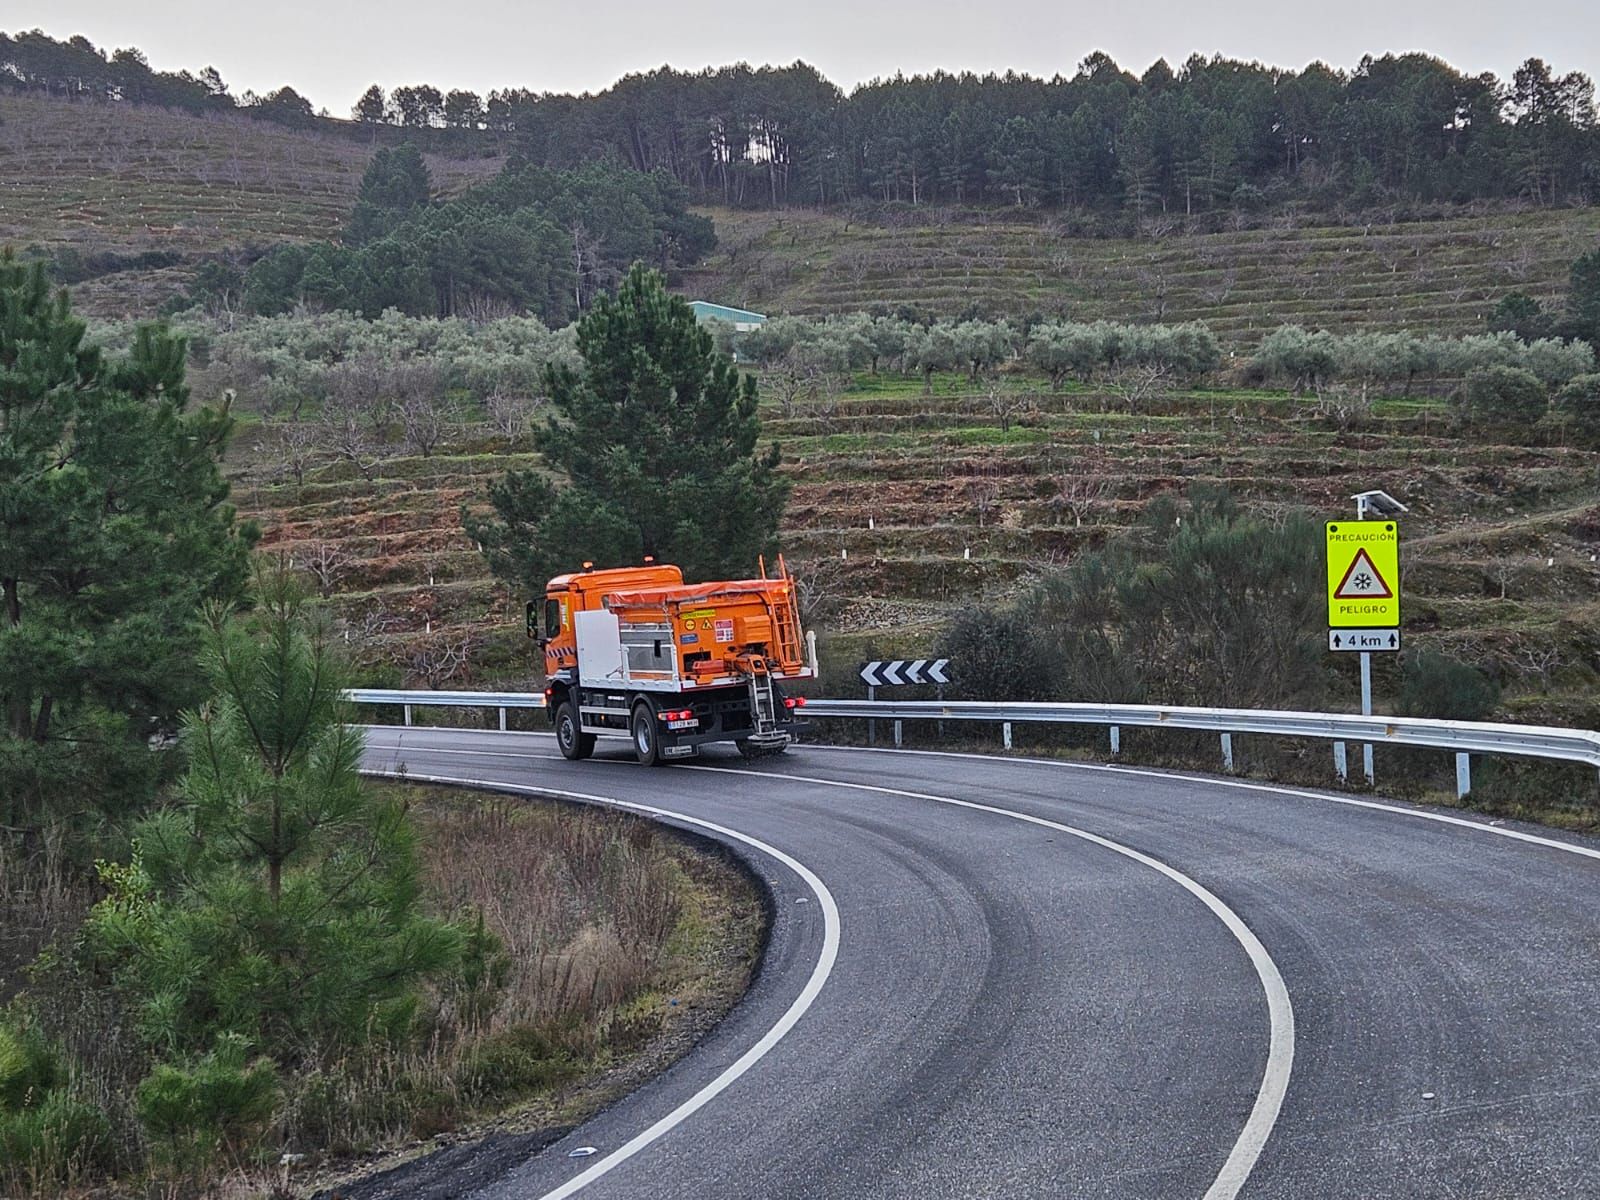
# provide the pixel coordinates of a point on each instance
(883, 672)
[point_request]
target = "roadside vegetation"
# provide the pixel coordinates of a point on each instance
(1203, 602)
(224, 954)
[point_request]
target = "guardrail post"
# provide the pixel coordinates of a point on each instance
(1116, 740)
(1463, 775)
(897, 732)
(408, 714)
(1005, 733)
(1341, 765)
(1227, 751)
(502, 719)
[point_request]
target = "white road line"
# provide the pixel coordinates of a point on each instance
(1280, 1054)
(1280, 1013)
(1420, 814)
(791, 1017)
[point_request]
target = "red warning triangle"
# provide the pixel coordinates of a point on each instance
(1362, 581)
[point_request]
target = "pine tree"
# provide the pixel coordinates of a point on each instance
(654, 451)
(1137, 163)
(395, 184)
(114, 527)
(279, 901)
(371, 108)
(1583, 299)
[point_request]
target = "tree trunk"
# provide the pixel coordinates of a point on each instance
(19, 714)
(41, 727)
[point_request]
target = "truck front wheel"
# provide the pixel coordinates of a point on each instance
(646, 737)
(574, 743)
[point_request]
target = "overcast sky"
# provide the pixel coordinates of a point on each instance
(330, 50)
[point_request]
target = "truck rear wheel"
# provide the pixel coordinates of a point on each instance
(574, 743)
(646, 737)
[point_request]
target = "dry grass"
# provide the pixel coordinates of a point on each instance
(609, 939)
(614, 932)
(43, 902)
(584, 901)
(128, 178)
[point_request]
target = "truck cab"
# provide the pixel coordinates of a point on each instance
(567, 595)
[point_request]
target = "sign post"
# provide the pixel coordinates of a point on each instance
(1364, 596)
(898, 671)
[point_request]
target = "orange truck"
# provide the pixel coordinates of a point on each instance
(636, 653)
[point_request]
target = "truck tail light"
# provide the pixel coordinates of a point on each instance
(789, 701)
(675, 714)
(799, 701)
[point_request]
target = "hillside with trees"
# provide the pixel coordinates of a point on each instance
(1211, 136)
(529, 241)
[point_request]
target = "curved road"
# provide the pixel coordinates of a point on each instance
(1001, 978)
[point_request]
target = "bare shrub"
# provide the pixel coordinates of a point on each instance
(983, 493)
(345, 431)
(1079, 495)
(327, 563)
(379, 389)
(510, 414)
(369, 629)
(821, 584)
(295, 448)
(434, 658)
(1541, 661)
(1006, 404)
(1346, 407)
(1140, 384)
(425, 418)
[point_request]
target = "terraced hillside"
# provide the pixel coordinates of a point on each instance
(132, 180)
(1443, 275)
(907, 505)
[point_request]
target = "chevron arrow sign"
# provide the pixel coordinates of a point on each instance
(884, 672)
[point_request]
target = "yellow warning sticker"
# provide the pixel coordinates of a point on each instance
(1363, 575)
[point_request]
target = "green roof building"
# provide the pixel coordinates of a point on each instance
(742, 320)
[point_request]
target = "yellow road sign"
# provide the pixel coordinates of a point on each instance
(1363, 575)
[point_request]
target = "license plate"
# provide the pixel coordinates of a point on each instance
(689, 724)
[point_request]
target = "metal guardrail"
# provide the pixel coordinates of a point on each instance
(432, 699)
(1464, 738)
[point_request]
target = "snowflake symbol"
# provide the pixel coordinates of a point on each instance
(1362, 580)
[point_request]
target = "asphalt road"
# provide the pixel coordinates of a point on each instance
(999, 978)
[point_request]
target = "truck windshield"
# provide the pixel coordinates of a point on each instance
(552, 618)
